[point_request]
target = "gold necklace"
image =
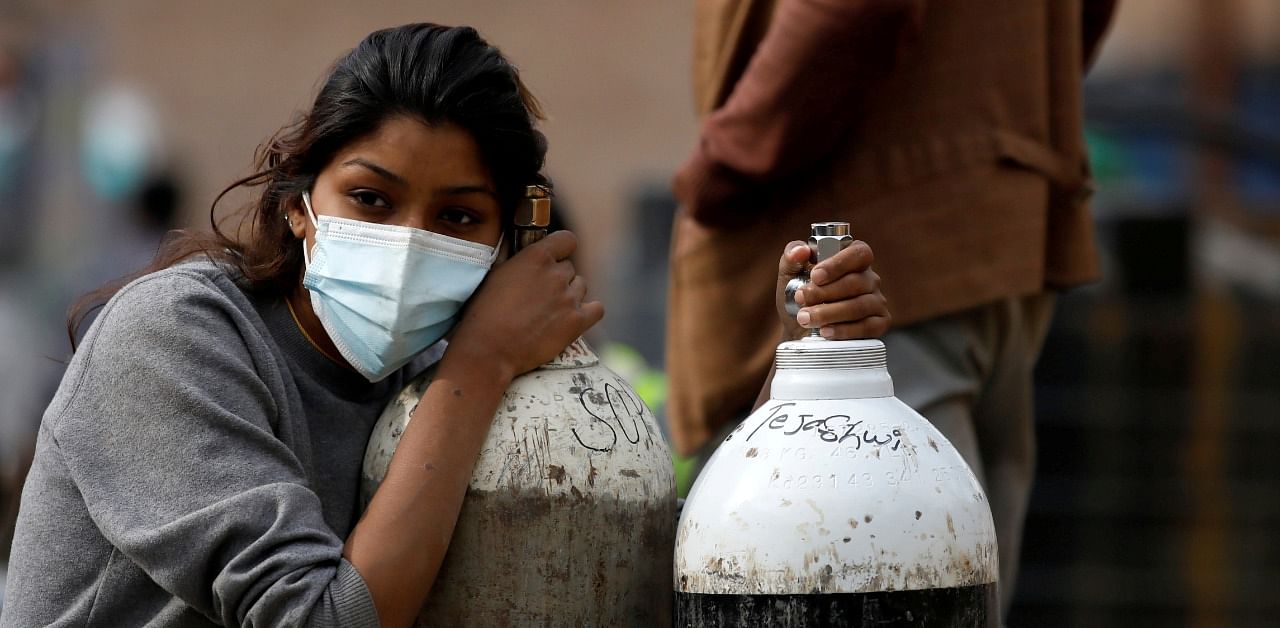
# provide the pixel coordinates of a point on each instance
(303, 329)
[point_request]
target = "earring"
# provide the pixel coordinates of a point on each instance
(288, 221)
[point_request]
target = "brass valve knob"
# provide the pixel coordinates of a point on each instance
(533, 215)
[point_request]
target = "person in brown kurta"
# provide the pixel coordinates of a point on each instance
(949, 134)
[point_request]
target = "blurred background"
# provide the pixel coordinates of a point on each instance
(1158, 494)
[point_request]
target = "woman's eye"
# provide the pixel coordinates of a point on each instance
(371, 199)
(457, 216)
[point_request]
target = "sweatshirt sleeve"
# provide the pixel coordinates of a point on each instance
(795, 100)
(168, 435)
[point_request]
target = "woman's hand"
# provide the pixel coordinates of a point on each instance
(843, 297)
(528, 309)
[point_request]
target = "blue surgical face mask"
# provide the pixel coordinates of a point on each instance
(385, 293)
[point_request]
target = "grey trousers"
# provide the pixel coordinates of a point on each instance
(970, 374)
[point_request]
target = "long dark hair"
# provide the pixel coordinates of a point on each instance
(436, 73)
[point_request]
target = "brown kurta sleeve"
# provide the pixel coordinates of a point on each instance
(794, 102)
(1094, 24)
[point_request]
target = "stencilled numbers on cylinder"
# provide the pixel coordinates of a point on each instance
(844, 452)
(778, 453)
(803, 481)
(949, 473)
(896, 477)
(862, 480)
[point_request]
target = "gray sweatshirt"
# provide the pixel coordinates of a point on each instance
(198, 466)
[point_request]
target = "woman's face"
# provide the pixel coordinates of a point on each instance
(410, 174)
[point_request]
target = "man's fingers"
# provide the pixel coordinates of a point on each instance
(846, 311)
(795, 258)
(855, 258)
(872, 327)
(846, 287)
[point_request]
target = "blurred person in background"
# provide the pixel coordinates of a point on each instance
(138, 230)
(19, 121)
(128, 200)
(133, 190)
(949, 134)
(200, 463)
(24, 383)
(24, 372)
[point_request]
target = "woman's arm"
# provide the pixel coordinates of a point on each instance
(400, 542)
(526, 313)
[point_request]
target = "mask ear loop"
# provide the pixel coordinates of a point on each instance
(497, 249)
(311, 215)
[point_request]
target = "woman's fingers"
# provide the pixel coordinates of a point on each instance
(578, 289)
(561, 274)
(542, 286)
(592, 312)
(558, 244)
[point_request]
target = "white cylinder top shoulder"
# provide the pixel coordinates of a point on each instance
(817, 368)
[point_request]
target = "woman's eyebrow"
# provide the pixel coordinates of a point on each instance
(378, 170)
(469, 189)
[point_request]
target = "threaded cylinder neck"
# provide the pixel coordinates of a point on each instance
(826, 354)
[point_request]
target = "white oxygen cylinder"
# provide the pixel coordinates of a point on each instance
(569, 518)
(835, 504)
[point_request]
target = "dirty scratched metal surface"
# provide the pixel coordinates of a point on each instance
(957, 606)
(569, 517)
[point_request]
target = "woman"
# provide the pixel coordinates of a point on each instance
(199, 464)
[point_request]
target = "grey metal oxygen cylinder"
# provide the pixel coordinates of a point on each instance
(569, 518)
(835, 504)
